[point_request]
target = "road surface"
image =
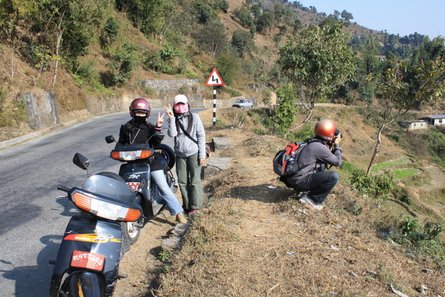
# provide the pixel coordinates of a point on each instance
(33, 216)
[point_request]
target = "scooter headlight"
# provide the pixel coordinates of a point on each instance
(131, 155)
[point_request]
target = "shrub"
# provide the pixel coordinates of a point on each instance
(229, 66)
(109, 32)
(305, 132)
(436, 143)
(422, 240)
(285, 111)
(222, 5)
(167, 60)
(244, 17)
(377, 186)
(123, 62)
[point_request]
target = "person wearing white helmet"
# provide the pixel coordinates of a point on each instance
(189, 134)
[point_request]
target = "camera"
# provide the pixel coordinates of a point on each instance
(337, 134)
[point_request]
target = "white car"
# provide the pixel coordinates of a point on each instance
(243, 103)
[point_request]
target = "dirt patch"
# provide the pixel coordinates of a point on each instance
(255, 239)
(142, 262)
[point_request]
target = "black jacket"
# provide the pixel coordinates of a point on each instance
(132, 132)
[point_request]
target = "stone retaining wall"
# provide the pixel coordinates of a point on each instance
(42, 112)
(41, 109)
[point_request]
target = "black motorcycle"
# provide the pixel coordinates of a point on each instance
(135, 170)
(93, 243)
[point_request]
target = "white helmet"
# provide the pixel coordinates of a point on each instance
(180, 99)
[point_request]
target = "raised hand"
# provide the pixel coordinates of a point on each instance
(160, 120)
(169, 110)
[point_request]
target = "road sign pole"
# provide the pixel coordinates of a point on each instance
(214, 80)
(214, 106)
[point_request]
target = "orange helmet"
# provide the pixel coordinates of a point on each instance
(325, 129)
(140, 105)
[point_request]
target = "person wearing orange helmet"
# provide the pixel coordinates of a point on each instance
(312, 178)
(139, 130)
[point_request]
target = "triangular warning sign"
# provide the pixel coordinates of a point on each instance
(215, 79)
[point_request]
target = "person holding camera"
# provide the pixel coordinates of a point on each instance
(312, 178)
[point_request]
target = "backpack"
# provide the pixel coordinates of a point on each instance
(285, 161)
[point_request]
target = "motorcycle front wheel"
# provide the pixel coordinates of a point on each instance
(85, 284)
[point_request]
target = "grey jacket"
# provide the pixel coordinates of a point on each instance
(315, 156)
(184, 146)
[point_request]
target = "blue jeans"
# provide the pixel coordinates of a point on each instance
(167, 194)
(319, 184)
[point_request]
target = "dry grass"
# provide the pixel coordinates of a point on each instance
(255, 239)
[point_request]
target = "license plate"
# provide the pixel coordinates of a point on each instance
(93, 261)
(134, 186)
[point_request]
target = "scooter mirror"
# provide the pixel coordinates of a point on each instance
(109, 139)
(81, 161)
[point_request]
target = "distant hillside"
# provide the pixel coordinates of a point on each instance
(105, 48)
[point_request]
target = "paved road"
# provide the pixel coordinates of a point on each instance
(33, 216)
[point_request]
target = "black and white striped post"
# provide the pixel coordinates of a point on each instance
(214, 80)
(214, 106)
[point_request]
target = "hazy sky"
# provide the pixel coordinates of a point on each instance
(402, 17)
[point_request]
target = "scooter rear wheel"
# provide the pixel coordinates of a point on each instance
(132, 231)
(168, 153)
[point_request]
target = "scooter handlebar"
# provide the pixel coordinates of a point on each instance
(63, 188)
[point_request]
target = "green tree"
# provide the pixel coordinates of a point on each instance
(242, 42)
(347, 16)
(229, 66)
(12, 13)
(151, 17)
(212, 38)
(203, 11)
(368, 69)
(408, 84)
(317, 61)
(109, 32)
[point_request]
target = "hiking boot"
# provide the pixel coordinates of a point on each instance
(305, 199)
(180, 218)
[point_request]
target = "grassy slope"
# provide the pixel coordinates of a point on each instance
(255, 239)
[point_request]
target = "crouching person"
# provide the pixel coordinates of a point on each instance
(312, 178)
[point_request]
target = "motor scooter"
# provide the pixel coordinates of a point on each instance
(135, 170)
(93, 243)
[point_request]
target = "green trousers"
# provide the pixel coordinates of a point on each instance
(189, 180)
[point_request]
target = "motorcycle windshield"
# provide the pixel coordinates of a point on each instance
(109, 185)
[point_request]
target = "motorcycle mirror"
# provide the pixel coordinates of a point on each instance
(81, 161)
(109, 139)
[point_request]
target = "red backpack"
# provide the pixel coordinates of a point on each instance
(285, 161)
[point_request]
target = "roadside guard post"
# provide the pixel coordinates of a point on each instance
(214, 80)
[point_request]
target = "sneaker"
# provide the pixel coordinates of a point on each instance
(192, 212)
(308, 201)
(180, 218)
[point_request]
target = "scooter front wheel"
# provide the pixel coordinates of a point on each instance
(86, 284)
